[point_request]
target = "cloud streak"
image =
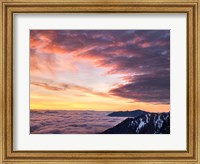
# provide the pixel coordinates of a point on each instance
(62, 87)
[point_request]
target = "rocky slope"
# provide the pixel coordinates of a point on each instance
(148, 123)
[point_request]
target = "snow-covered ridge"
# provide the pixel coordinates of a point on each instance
(148, 123)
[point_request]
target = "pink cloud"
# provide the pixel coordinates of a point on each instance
(145, 44)
(135, 40)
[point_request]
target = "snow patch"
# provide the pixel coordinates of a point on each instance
(159, 122)
(131, 124)
(166, 117)
(141, 124)
(147, 118)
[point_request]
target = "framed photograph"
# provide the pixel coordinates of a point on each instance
(92, 82)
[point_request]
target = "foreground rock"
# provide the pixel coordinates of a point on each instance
(149, 123)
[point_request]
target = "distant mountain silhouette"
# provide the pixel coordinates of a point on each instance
(134, 113)
(148, 123)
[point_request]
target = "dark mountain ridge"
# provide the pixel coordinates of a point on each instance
(134, 113)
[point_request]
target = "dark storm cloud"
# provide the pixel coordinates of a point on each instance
(146, 88)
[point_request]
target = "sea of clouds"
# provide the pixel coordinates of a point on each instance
(71, 122)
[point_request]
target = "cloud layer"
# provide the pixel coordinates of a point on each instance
(71, 122)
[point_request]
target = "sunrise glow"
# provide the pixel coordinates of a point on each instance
(107, 70)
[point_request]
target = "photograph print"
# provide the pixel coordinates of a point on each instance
(100, 82)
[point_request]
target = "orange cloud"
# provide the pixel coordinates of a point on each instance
(62, 87)
(51, 87)
(54, 49)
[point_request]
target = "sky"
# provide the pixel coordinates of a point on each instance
(110, 70)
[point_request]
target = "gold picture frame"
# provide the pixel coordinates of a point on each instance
(10, 7)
